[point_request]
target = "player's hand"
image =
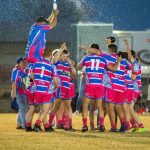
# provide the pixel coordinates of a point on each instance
(125, 42)
(55, 12)
(82, 47)
(63, 46)
(69, 61)
(120, 58)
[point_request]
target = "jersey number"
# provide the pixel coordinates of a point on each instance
(93, 61)
(42, 72)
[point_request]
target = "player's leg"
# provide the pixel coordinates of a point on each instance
(85, 105)
(91, 113)
(101, 115)
(59, 115)
(42, 115)
(68, 114)
(135, 119)
(55, 108)
(30, 113)
(29, 117)
(111, 114)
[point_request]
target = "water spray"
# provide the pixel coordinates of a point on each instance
(55, 5)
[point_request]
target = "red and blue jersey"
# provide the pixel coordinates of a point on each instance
(137, 71)
(128, 77)
(43, 76)
(63, 72)
(36, 42)
(28, 71)
(94, 69)
(16, 76)
(117, 77)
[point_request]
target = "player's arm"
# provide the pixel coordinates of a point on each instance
(13, 89)
(57, 55)
(55, 81)
(91, 50)
(128, 48)
(53, 18)
(73, 69)
(114, 67)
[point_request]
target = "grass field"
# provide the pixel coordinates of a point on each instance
(12, 139)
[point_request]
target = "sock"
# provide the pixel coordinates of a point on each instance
(70, 121)
(51, 118)
(101, 121)
(56, 120)
(122, 121)
(46, 125)
(28, 124)
(63, 118)
(127, 125)
(59, 122)
(84, 121)
(113, 125)
(67, 122)
(133, 123)
(92, 124)
(38, 123)
(140, 125)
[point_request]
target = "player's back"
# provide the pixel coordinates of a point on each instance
(43, 73)
(94, 69)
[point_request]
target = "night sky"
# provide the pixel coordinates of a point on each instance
(125, 14)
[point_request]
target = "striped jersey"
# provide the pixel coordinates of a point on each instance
(43, 76)
(137, 71)
(36, 42)
(128, 77)
(94, 69)
(64, 73)
(28, 71)
(16, 75)
(117, 77)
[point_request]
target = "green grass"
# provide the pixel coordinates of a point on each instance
(12, 139)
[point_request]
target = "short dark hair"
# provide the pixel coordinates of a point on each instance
(133, 53)
(113, 39)
(47, 52)
(65, 52)
(113, 48)
(123, 54)
(96, 46)
(41, 19)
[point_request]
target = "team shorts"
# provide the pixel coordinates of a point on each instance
(31, 98)
(65, 93)
(95, 92)
(42, 98)
(136, 95)
(115, 97)
(128, 95)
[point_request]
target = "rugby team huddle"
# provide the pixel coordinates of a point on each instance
(111, 83)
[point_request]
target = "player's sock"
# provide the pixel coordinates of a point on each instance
(113, 125)
(92, 124)
(38, 123)
(63, 118)
(101, 121)
(46, 125)
(67, 123)
(122, 121)
(140, 125)
(133, 123)
(58, 122)
(127, 125)
(84, 120)
(51, 118)
(28, 124)
(70, 121)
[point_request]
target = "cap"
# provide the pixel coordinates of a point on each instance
(41, 19)
(19, 60)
